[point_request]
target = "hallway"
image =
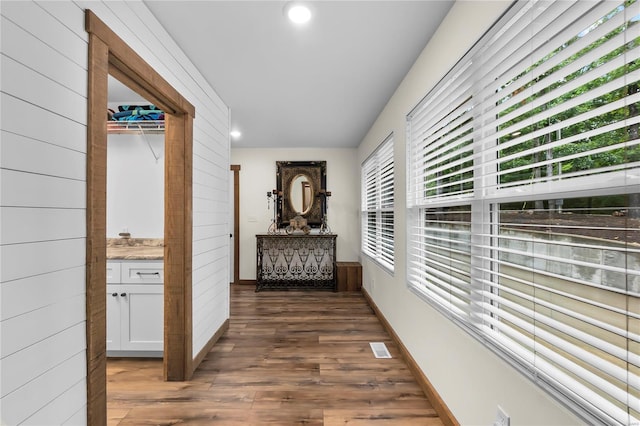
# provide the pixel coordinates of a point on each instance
(288, 358)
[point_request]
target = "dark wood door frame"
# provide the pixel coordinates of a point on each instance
(109, 54)
(236, 223)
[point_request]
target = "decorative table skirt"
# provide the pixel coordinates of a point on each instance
(296, 261)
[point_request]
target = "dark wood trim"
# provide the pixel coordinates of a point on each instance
(177, 250)
(207, 348)
(125, 59)
(247, 282)
(438, 403)
(130, 82)
(236, 222)
(96, 276)
(108, 54)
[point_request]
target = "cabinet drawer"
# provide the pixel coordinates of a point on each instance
(142, 273)
(113, 272)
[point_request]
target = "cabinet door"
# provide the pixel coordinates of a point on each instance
(113, 317)
(142, 314)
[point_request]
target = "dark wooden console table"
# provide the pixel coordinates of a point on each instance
(296, 261)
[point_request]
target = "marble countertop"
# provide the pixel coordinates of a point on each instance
(135, 248)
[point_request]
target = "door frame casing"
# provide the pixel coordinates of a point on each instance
(235, 168)
(109, 54)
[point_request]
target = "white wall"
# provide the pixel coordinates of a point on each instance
(471, 379)
(43, 94)
(211, 227)
(42, 199)
(258, 176)
(135, 185)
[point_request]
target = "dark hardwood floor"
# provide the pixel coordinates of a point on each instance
(288, 358)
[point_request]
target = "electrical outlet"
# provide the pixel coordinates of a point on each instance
(373, 284)
(502, 418)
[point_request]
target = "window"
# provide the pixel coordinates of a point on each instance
(523, 200)
(377, 205)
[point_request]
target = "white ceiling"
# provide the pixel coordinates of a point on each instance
(321, 84)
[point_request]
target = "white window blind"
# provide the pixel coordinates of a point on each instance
(563, 297)
(377, 205)
(441, 242)
(564, 110)
(524, 199)
(442, 151)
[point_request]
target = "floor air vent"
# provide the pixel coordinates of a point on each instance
(379, 350)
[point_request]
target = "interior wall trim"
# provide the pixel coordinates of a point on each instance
(438, 403)
(109, 54)
(236, 222)
(247, 282)
(209, 345)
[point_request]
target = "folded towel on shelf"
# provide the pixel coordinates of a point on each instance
(139, 115)
(137, 107)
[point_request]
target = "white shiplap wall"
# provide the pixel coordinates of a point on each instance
(43, 201)
(42, 216)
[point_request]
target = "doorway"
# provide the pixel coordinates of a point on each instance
(135, 224)
(110, 55)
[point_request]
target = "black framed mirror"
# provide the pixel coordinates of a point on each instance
(299, 185)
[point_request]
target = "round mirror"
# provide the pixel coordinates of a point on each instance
(301, 194)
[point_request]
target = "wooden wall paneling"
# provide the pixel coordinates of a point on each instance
(60, 411)
(34, 156)
(207, 348)
(41, 224)
(35, 190)
(187, 195)
(49, 352)
(43, 194)
(46, 61)
(67, 11)
(209, 231)
(37, 291)
(203, 176)
(52, 128)
(36, 21)
(40, 91)
(200, 190)
(201, 247)
(19, 332)
(17, 259)
(210, 249)
(43, 390)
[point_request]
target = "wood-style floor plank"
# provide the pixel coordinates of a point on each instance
(288, 358)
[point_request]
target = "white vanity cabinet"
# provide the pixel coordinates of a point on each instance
(135, 308)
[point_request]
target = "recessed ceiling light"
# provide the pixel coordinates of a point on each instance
(235, 134)
(297, 12)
